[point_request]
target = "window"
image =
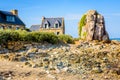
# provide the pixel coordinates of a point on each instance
(56, 25)
(10, 18)
(17, 28)
(46, 26)
(9, 27)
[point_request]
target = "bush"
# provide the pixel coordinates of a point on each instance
(76, 39)
(81, 24)
(66, 38)
(8, 35)
(23, 35)
(44, 37)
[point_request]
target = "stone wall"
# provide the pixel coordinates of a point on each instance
(11, 26)
(59, 30)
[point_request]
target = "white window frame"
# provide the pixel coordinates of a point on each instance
(46, 26)
(55, 25)
(17, 27)
(10, 18)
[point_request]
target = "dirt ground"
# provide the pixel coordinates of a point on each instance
(17, 71)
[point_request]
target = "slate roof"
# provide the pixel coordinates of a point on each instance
(35, 27)
(17, 21)
(52, 21)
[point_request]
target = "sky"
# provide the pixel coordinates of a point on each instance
(31, 12)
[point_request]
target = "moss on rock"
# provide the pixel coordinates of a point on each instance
(81, 24)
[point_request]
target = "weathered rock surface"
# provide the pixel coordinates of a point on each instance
(94, 28)
(86, 58)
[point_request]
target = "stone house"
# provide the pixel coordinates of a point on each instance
(35, 27)
(55, 25)
(10, 20)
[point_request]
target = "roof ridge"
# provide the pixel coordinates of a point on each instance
(6, 11)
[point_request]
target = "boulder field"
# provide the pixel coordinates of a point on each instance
(93, 57)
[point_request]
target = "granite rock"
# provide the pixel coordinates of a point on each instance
(94, 28)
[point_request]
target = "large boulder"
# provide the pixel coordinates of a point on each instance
(94, 27)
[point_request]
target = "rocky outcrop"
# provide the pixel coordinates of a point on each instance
(94, 28)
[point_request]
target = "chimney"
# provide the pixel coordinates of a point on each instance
(43, 18)
(14, 12)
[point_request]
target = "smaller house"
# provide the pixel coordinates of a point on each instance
(35, 27)
(10, 20)
(55, 25)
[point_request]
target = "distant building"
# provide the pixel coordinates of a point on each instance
(10, 20)
(55, 25)
(35, 28)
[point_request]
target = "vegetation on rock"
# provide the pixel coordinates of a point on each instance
(81, 24)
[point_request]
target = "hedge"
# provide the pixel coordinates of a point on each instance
(40, 37)
(66, 38)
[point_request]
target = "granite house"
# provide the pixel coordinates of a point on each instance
(55, 25)
(10, 20)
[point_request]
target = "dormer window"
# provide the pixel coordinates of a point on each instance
(56, 24)
(46, 26)
(10, 18)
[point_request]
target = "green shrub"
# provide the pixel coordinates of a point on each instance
(50, 37)
(13, 36)
(22, 35)
(81, 24)
(43, 37)
(40, 37)
(76, 39)
(66, 38)
(8, 35)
